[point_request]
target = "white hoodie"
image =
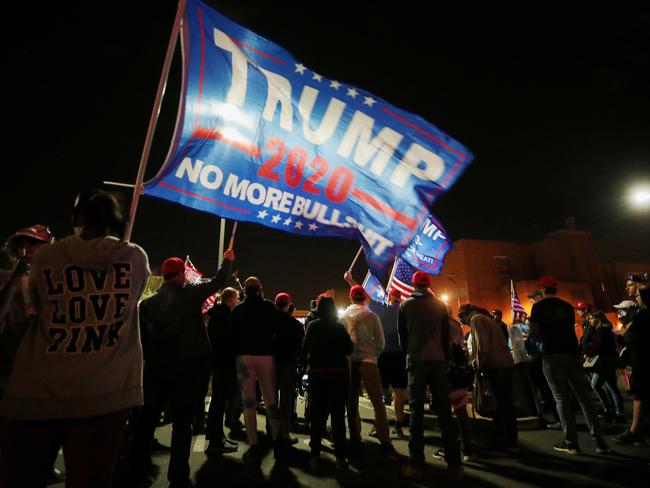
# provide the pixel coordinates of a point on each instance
(365, 331)
(82, 357)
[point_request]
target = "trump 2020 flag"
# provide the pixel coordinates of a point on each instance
(373, 288)
(260, 137)
(428, 248)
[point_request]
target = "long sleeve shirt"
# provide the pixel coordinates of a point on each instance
(365, 331)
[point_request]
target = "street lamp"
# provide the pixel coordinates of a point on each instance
(639, 197)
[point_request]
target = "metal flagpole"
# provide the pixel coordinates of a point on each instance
(232, 236)
(222, 235)
(162, 83)
(392, 271)
(354, 261)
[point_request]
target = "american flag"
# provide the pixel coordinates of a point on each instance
(400, 278)
(515, 304)
(193, 275)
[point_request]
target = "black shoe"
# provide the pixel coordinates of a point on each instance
(602, 447)
(216, 447)
(158, 448)
(568, 447)
(627, 438)
(56, 476)
(439, 455)
(253, 455)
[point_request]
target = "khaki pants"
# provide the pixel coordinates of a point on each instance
(369, 374)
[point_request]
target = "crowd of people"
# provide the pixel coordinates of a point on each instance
(88, 367)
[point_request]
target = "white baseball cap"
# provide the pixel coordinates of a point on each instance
(625, 304)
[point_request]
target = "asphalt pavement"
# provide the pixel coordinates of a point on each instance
(537, 464)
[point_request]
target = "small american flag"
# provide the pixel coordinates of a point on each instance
(193, 275)
(400, 278)
(515, 304)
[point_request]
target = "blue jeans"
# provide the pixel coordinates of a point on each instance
(604, 384)
(564, 371)
(433, 374)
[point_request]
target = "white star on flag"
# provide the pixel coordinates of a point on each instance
(313, 227)
(335, 84)
(317, 77)
(300, 68)
(369, 101)
(276, 219)
(262, 214)
(287, 221)
(352, 92)
(298, 225)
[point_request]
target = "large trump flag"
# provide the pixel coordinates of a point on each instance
(260, 137)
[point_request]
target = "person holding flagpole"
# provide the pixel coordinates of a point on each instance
(177, 361)
(392, 361)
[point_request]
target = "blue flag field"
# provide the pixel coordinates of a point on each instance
(262, 138)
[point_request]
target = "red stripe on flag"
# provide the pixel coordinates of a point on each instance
(385, 209)
(256, 51)
(211, 200)
(215, 135)
(201, 72)
(403, 288)
(461, 157)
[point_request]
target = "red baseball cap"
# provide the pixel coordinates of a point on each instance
(357, 291)
(548, 282)
(37, 232)
(421, 278)
(172, 266)
(282, 299)
(584, 306)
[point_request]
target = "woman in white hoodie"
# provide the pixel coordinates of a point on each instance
(78, 370)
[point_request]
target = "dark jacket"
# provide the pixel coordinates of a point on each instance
(423, 327)
(218, 331)
(254, 324)
(173, 324)
(326, 346)
(288, 340)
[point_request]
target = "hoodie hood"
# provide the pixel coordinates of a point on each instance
(96, 254)
(355, 311)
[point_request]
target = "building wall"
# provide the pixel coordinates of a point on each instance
(479, 272)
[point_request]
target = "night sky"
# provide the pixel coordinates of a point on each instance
(554, 104)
